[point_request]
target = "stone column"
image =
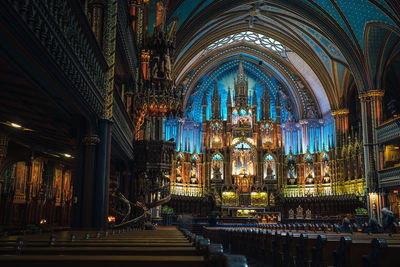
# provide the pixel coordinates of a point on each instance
(371, 112)
(88, 180)
(341, 124)
(102, 173)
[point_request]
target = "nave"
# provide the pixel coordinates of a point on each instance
(270, 129)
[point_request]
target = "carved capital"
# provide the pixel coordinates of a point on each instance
(91, 140)
(343, 111)
(371, 94)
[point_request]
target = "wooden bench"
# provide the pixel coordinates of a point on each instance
(318, 247)
(101, 261)
(118, 248)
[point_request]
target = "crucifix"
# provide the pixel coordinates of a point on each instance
(242, 151)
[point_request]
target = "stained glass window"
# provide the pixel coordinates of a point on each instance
(250, 37)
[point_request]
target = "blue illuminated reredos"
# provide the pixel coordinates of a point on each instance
(225, 75)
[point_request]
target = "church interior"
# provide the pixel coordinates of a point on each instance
(200, 132)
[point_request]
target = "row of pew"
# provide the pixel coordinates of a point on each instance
(313, 248)
(165, 246)
(313, 227)
(214, 252)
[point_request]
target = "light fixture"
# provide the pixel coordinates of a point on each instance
(15, 125)
(67, 155)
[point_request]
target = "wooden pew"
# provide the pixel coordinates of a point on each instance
(382, 253)
(101, 261)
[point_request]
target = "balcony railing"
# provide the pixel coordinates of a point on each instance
(389, 131)
(389, 177)
(61, 28)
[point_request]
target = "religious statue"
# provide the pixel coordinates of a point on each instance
(327, 169)
(311, 111)
(250, 169)
(178, 169)
(270, 171)
(292, 171)
(289, 112)
(155, 70)
(299, 214)
(217, 170)
(247, 120)
(234, 167)
(309, 173)
(179, 172)
(241, 158)
(272, 200)
(168, 67)
(308, 214)
(291, 214)
(193, 171)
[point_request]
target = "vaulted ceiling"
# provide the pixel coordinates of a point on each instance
(330, 46)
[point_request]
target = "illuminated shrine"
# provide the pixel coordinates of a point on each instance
(248, 147)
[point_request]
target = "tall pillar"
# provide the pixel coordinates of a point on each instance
(371, 112)
(341, 124)
(89, 184)
(102, 170)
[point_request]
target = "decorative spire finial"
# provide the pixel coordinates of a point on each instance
(229, 99)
